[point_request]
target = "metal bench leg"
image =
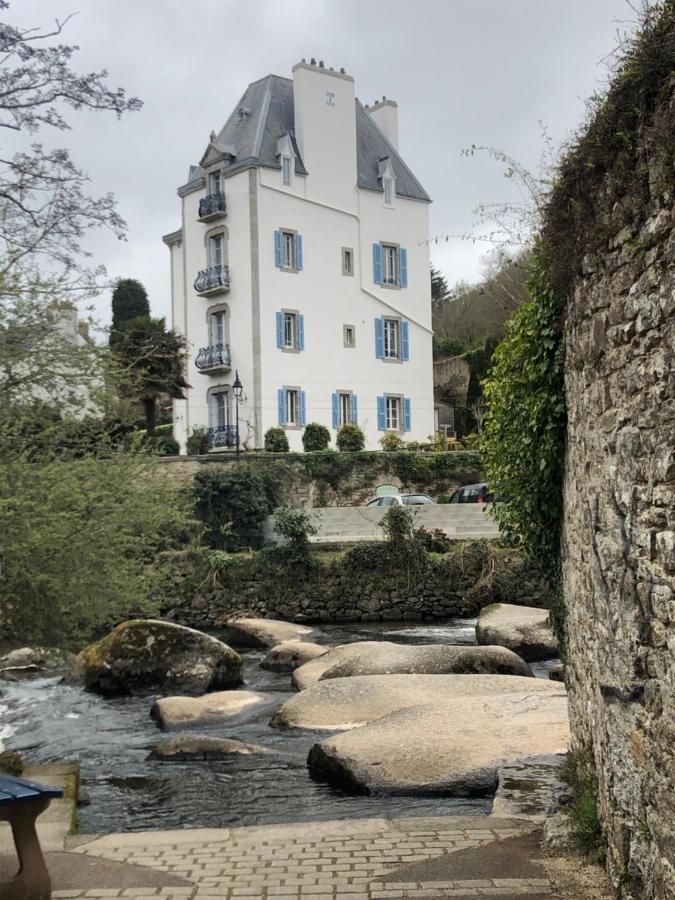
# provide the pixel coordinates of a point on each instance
(32, 881)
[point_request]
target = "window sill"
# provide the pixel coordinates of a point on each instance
(288, 270)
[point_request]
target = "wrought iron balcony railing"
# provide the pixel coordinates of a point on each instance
(213, 280)
(222, 436)
(212, 206)
(217, 356)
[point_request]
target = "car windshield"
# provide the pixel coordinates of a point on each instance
(416, 499)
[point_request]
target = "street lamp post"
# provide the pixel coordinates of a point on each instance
(237, 390)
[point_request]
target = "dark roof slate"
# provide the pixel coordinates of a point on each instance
(269, 114)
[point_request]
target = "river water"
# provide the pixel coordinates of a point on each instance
(111, 739)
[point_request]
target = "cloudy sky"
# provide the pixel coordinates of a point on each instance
(462, 71)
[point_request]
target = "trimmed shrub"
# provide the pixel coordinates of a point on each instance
(315, 437)
(198, 442)
(276, 440)
(391, 442)
(350, 439)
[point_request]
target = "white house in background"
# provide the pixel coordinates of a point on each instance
(302, 264)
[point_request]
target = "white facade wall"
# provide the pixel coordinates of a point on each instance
(330, 212)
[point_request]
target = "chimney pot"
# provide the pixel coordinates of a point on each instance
(304, 60)
(321, 64)
(342, 71)
(312, 61)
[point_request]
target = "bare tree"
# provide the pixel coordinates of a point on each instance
(45, 211)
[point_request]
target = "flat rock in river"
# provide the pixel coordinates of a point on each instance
(343, 703)
(152, 655)
(387, 658)
(203, 747)
(288, 655)
(211, 709)
(241, 631)
(454, 748)
(523, 629)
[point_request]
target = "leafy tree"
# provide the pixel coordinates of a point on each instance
(315, 437)
(129, 301)
(276, 440)
(153, 359)
(232, 504)
(78, 542)
(350, 438)
(439, 287)
(45, 211)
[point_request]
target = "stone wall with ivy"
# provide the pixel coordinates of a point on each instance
(330, 478)
(370, 583)
(611, 235)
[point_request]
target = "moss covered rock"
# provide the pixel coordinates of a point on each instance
(151, 655)
(10, 763)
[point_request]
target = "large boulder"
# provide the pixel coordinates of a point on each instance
(202, 747)
(242, 631)
(454, 748)
(150, 655)
(343, 703)
(387, 658)
(223, 707)
(287, 656)
(523, 629)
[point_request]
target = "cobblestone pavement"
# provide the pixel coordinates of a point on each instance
(355, 859)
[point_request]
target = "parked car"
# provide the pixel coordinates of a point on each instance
(402, 500)
(472, 493)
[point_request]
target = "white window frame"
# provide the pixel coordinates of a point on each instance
(292, 407)
(290, 333)
(218, 323)
(344, 408)
(216, 249)
(393, 413)
(391, 265)
(215, 182)
(220, 409)
(389, 191)
(286, 171)
(289, 250)
(392, 338)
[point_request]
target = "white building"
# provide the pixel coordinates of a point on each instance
(302, 264)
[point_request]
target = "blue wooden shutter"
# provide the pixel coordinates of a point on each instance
(301, 332)
(377, 263)
(355, 410)
(381, 414)
(405, 340)
(335, 405)
(281, 403)
(379, 337)
(303, 409)
(280, 329)
(403, 262)
(298, 252)
(277, 249)
(406, 413)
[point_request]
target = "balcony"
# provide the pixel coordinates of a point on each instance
(222, 436)
(212, 207)
(215, 358)
(214, 280)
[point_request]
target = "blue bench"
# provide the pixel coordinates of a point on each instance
(21, 802)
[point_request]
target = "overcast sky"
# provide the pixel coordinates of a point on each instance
(462, 71)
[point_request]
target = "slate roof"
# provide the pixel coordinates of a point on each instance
(269, 115)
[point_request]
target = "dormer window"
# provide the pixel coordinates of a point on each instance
(388, 180)
(214, 182)
(286, 155)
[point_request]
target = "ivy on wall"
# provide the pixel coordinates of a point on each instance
(523, 442)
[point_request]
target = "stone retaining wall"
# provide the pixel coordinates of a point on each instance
(619, 539)
(343, 479)
(365, 589)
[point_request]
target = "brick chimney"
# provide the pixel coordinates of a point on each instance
(385, 115)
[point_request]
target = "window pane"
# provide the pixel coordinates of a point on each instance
(288, 250)
(345, 409)
(393, 417)
(291, 407)
(289, 331)
(286, 170)
(391, 338)
(214, 182)
(216, 247)
(218, 328)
